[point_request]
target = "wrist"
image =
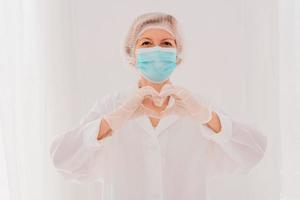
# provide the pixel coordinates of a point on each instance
(104, 129)
(214, 123)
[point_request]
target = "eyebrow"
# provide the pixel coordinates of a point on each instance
(169, 39)
(144, 38)
(161, 40)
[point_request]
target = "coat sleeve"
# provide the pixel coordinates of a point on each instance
(237, 148)
(77, 154)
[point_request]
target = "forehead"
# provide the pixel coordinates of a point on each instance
(156, 33)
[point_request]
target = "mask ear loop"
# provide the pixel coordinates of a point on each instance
(131, 61)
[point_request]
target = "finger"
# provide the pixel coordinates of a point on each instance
(138, 112)
(150, 112)
(170, 92)
(167, 112)
(147, 90)
(166, 86)
(158, 101)
(177, 92)
(166, 91)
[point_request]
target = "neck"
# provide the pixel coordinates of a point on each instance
(157, 86)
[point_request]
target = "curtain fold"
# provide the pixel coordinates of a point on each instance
(289, 31)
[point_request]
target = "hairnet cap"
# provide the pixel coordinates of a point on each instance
(152, 20)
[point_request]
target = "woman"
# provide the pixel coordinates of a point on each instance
(155, 140)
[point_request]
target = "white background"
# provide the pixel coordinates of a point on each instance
(57, 57)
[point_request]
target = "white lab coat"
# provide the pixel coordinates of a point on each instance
(169, 162)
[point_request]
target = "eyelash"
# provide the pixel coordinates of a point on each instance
(168, 43)
(146, 42)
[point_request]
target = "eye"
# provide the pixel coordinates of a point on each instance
(166, 43)
(145, 43)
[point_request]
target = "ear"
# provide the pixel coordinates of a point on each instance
(178, 60)
(132, 61)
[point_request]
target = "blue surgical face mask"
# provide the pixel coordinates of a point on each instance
(156, 63)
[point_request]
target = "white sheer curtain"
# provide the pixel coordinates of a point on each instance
(35, 94)
(289, 31)
(22, 100)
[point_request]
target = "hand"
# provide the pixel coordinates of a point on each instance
(185, 104)
(131, 108)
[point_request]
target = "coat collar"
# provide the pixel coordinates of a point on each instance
(164, 123)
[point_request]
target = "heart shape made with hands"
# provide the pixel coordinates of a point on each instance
(159, 98)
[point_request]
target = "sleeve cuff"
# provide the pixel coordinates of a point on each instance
(224, 135)
(90, 135)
